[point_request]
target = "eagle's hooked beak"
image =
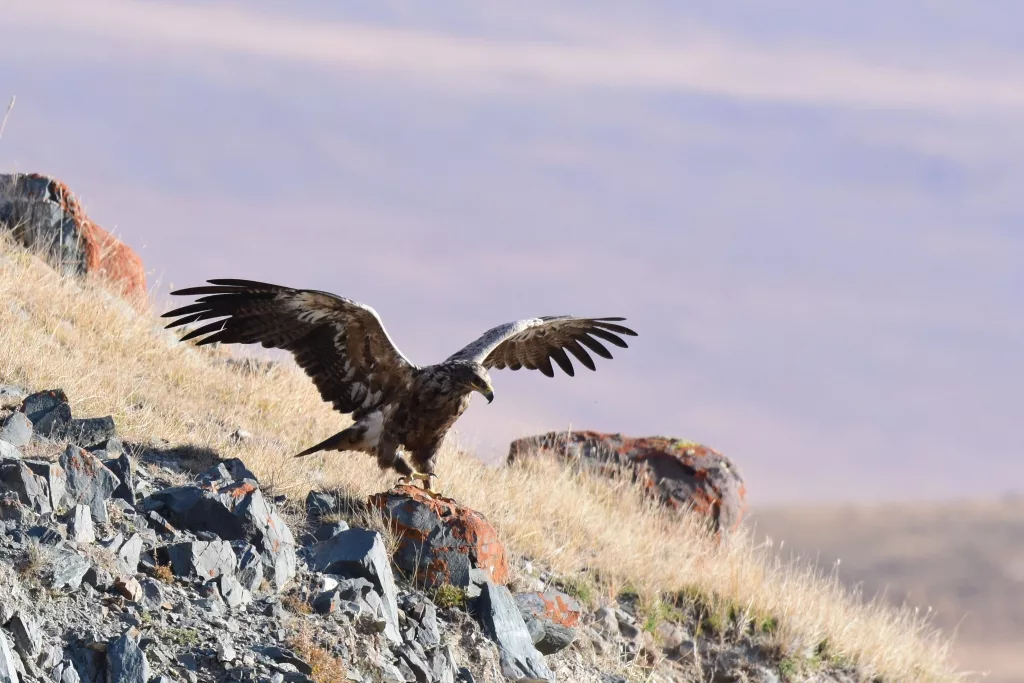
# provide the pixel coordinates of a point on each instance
(486, 391)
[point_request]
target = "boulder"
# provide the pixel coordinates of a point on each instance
(551, 617)
(28, 637)
(42, 214)
(441, 541)
(89, 482)
(501, 618)
(680, 473)
(360, 553)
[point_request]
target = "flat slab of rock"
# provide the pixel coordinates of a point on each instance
(8, 665)
(16, 476)
(500, 617)
(80, 526)
(202, 559)
(441, 541)
(360, 553)
(68, 569)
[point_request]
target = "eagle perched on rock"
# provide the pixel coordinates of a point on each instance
(343, 347)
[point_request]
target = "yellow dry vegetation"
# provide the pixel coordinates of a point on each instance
(110, 359)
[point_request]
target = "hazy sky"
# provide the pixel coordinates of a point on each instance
(812, 215)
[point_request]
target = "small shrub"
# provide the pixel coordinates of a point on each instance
(447, 595)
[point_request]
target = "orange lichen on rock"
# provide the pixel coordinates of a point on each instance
(440, 541)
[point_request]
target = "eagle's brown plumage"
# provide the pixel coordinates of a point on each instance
(343, 347)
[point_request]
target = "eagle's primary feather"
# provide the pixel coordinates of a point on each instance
(343, 347)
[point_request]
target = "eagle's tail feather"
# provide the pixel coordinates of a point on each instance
(351, 439)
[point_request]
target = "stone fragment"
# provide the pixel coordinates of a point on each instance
(16, 430)
(500, 617)
(52, 223)
(8, 664)
(202, 559)
(360, 553)
(11, 396)
(80, 526)
(88, 481)
(121, 466)
(550, 617)
(68, 569)
(128, 555)
(126, 662)
(28, 638)
(234, 594)
(129, 587)
(17, 476)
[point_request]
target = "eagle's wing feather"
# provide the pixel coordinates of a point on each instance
(533, 343)
(341, 344)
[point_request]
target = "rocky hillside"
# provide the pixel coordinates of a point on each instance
(124, 564)
(535, 570)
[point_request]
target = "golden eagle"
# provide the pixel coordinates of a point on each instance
(342, 345)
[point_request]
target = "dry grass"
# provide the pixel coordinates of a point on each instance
(326, 667)
(56, 332)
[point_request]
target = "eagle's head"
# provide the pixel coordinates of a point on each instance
(472, 377)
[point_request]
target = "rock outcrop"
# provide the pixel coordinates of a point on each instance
(680, 473)
(42, 214)
(440, 541)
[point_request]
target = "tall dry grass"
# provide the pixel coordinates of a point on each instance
(58, 332)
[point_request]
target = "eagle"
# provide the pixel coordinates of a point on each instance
(343, 347)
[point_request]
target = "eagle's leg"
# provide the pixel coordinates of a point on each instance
(428, 482)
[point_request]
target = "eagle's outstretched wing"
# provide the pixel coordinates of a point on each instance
(341, 344)
(535, 342)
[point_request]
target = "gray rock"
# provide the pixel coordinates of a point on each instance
(424, 614)
(16, 430)
(548, 615)
(56, 482)
(47, 410)
(202, 559)
(68, 569)
(8, 451)
(88, 481)
(500, 617)
(11, 396)
(319, 503)
(17, 476)
(126, 662)
(80, 526)
(235, 512)
(250, 569)
(28, 639)
(8, 665)
(361, 553)
(122, 469)
(99, 578)
(152, 594)
(128, 555)
(11, 510)
(326, 531)
(234, 594)
(90, 431)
